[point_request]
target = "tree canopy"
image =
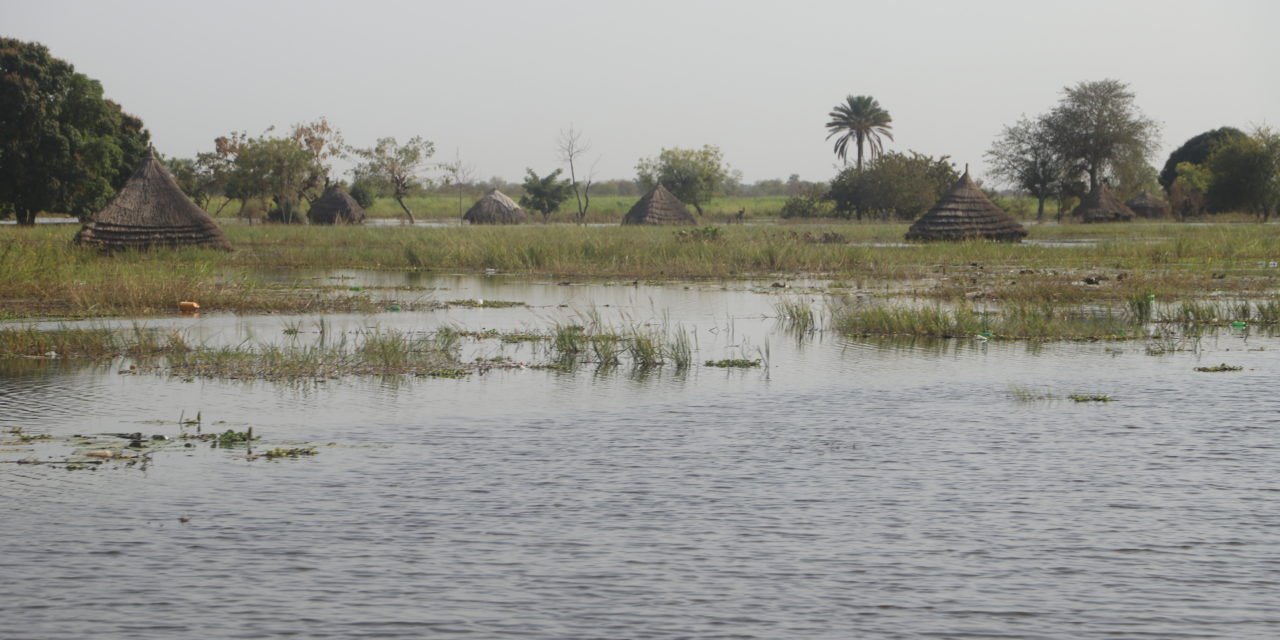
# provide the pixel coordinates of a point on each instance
(1024, 157)
(1097, 125)
(1195, 150)
(398, 168)
(899, 186)
(545, 194)
(863, 121)
(1244, 174)
(695, 176)
(63, 147)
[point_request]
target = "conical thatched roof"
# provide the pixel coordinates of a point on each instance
(1148, 206)
(150, 209)
(966, 212)
(1100, 205)
(336, 206)
(495, 208)
(659, 206)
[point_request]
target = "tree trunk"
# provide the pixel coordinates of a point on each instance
(1040, 211)
(699, 208)
(407, 212)
(25, 217)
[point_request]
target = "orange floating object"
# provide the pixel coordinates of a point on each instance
(188, 307)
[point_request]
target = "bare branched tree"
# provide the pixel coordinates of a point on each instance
(458, 174)
(572, 147)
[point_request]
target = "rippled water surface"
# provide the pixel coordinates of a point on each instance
(851, 489)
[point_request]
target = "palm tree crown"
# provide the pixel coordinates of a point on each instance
(861, 119)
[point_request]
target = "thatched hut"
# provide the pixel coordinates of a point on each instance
(495, 208)
(963, 213)
(149, 210)
(1101, 205)
(1146, 205)
(336, 206)
(659, 206)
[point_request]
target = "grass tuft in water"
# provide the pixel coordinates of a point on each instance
(1219, 368)
(1078, 397)
(740, 363)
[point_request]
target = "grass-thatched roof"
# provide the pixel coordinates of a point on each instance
(1101, 205)
(1148, 206)
(659, 206)
(149, 210)
(336, 206)
(963, 213)
(495, 208)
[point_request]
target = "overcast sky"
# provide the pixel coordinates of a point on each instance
(494, 82)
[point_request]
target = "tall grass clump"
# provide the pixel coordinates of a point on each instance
(796, 315)
(645, 348)
(1011, 321)
(680, 349)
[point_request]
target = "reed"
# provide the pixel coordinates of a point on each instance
(1012, 321)
(796, 315)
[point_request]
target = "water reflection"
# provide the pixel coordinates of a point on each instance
(879, 488)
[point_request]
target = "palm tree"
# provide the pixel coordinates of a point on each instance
(861, 119)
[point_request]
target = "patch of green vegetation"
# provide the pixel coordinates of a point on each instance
(699, 234)
(45, 275)
(1218, 368)
(447, 372)
(521, 336)
(733, 363)
(290, 452)
(1013, 321)
(1027, 394)
(1077, 397)
(797, 315)
(478, 303)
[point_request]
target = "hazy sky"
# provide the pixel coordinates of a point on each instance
(496, 81)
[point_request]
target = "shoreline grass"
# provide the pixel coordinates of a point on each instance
(47, 276)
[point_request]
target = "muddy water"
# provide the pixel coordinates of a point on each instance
(851, 489)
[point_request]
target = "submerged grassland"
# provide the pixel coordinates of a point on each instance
(43, 274)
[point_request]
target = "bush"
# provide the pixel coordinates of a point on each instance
(897, 186)
(806, 207)
(363, 194)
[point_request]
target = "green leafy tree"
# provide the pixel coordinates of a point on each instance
(396, 168)
(269, 170)
(1023, 156)
(202, 178)
(1245, 175)
(1187, 194)
(898, 186)
(1195, 150)
(695, 176)
(63, 147)
(1131, 174)
(859, 119)
(1097, 125)
(545, 194)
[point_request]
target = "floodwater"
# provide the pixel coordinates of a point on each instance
(850, 489)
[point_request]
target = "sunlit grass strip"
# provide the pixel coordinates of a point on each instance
(1012, 322)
